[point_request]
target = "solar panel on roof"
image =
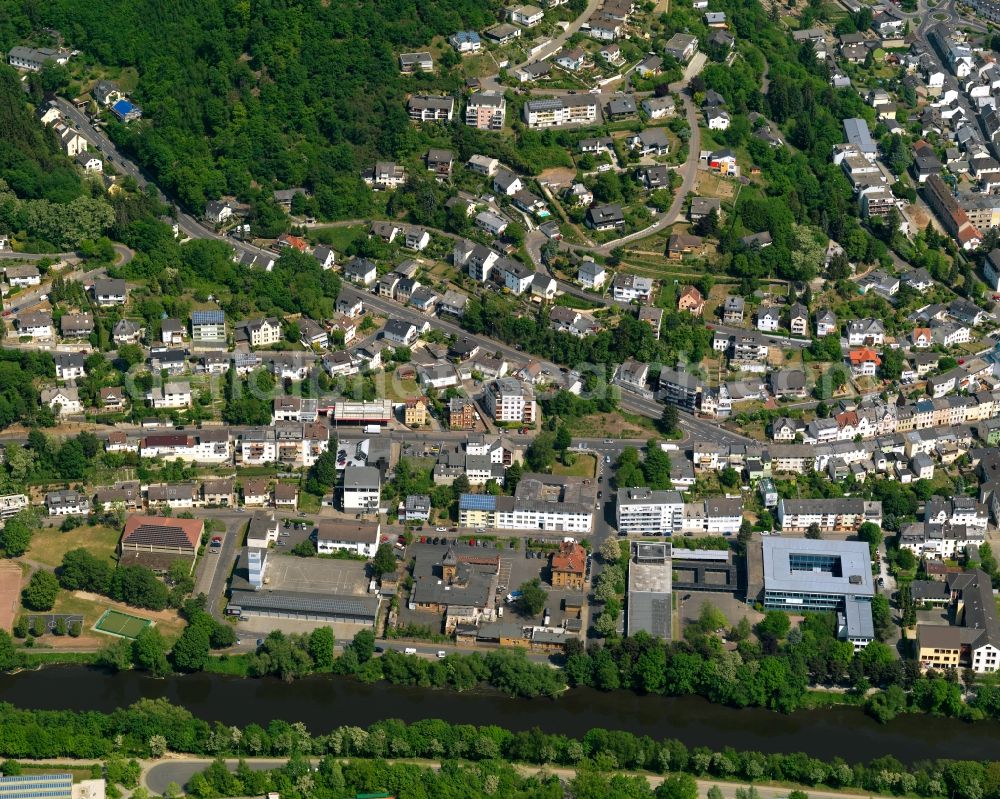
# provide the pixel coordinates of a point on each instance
(158, 535)
(477, 502)
(215, 317)
(304, 603)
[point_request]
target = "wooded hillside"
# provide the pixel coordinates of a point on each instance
(305, 92)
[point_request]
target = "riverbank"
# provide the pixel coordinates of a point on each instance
(148, 729)
(327, 702)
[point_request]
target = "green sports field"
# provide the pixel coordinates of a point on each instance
(114, 622)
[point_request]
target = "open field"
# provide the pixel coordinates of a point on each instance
(583, 466)
(612, 425)
(92, 607)
(49, 544)
(338, 237)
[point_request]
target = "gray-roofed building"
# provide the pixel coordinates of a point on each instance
(308, 606)
(648, 606)
(857, 133)
(807, 574)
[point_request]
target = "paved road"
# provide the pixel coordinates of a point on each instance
(186, 223)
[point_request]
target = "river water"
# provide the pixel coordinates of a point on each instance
(324, 702)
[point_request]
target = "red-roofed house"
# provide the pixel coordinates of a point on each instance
(864, 362)
(569, 566)
(288, 240)
(921, 338)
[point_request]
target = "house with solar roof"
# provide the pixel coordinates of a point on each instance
(157, 541)
(208, 327)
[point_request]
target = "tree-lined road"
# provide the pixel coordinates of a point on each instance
(157, 775)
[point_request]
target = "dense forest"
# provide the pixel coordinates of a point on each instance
(29, 159)
(282, 93)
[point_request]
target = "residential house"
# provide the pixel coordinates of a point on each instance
(62, 401)
(431, 108)
(259, 332)
(629, 288)
(108, 292)
(691, 300)
(733, 310)
(826, 323)
(605, 217)
(35, 324)
(798, 320)
(360, 270)
(76, 325)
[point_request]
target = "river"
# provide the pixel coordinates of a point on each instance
(324, 702)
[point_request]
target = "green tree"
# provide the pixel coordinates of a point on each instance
(677, 786)
(190, 653)
(871, 534)
(116, 656)
(881, 616)
(541, 452)
(321, 648)
(15, 537)
(384, 560)
(10, 658)
(670, 419)
(610, 551)
(149, 652)
(533, 598)
(775, 625)
(363, 645)
(41, 591)
(563, 438)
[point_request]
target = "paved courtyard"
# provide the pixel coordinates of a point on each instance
(316, 575)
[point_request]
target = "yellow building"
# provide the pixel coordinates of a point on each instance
(415, 413)
(939, 646)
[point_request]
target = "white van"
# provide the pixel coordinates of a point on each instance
(410, 650)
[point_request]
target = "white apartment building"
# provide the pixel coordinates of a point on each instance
(641, 510)
(12, 504)
(559, 111)
(509, 400)
(362, 489)
(208, 446)
(361, 538)
(259, 332)
(170, 395)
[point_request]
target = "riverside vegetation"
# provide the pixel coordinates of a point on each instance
(149, 728)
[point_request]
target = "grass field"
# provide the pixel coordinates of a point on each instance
(115, 622)
(619, 424)
(48, 544)
(584, 466)
(338, 237)
(309, 503)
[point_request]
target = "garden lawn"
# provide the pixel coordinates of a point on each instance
(583, 466)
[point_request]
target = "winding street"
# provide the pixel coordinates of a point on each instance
(186, 223)
(688, 170)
